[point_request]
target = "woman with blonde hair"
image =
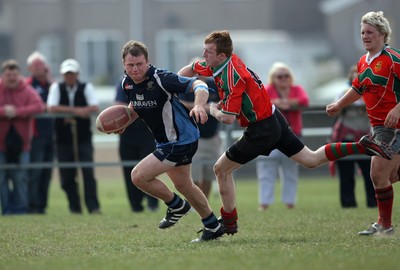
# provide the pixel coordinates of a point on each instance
(289, 99)
(378, 73)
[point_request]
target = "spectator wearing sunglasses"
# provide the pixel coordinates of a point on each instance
(289, 99)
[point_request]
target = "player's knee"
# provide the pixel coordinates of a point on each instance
(376, 176)
(135, 178)
(307, 158)
(309, 162)
(217, 170)
(309, 165)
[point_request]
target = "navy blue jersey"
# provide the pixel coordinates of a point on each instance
(136, 134)
(156, 103)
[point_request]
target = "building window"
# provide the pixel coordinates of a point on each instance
(5, 48)
(51, 46)
(174, 48)
(99, 55)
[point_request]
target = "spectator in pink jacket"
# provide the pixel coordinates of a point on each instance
(18, 104)
(289, 99)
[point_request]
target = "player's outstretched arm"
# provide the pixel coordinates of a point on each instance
(187, 71)
(215, 110)
(201, 94)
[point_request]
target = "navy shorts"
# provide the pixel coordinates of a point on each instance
(261, 137)
(176, 155)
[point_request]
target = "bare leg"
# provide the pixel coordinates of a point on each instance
(311, 159)
(144, 177)
(383, 171)
(223, 170)
(395, 175)
(181, 178)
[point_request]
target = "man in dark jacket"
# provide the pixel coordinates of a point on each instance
(74, 135)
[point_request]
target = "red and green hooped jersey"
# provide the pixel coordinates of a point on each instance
(240, 90)
(379, 83)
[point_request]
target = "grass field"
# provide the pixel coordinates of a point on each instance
(317, 234)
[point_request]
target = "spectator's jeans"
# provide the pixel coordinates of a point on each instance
(39, 178)
(269, 169)
(14, 187)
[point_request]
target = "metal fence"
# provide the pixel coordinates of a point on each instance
(317, 128)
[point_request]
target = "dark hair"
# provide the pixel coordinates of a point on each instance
(10, 64)
(222, 40)
(135, 48)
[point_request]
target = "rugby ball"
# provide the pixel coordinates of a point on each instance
(115, 118)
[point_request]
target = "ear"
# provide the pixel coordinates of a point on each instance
(222, 56)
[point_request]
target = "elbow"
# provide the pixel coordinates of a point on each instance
(186, 71)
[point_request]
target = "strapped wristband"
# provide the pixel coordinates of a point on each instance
(200, 87)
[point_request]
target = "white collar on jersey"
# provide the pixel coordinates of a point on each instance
(370, 58)
(221, 68)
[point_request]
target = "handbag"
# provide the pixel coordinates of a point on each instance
(13, 143)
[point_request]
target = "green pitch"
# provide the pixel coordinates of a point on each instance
(317, 234)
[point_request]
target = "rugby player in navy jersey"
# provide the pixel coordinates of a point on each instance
(152, 93)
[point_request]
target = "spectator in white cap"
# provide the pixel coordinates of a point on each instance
(69, 65)
(73, 134)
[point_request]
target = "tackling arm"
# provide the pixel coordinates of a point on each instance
(215, 110)
(187, 71)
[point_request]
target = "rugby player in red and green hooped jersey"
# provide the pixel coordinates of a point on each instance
(241, 92)
(244, 97)
(378, 82)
